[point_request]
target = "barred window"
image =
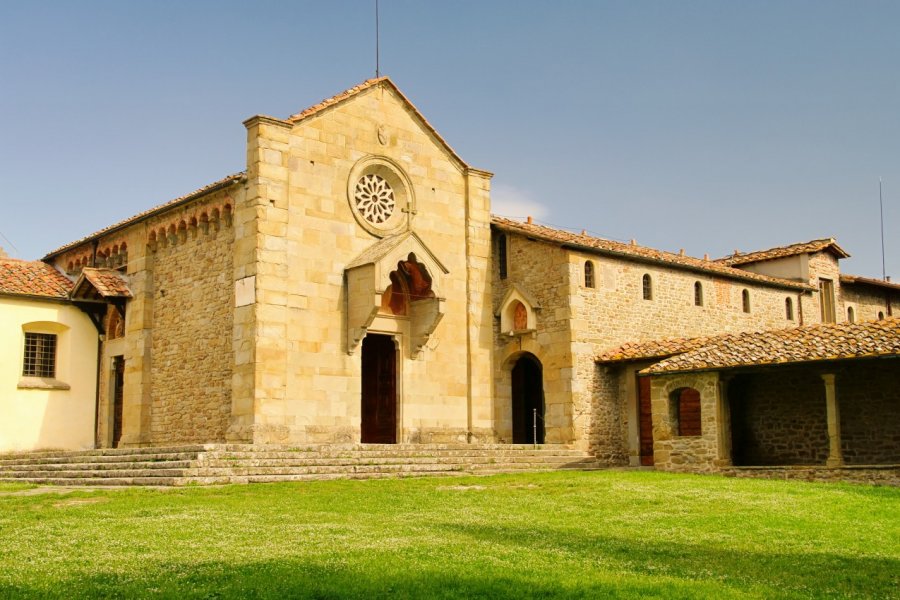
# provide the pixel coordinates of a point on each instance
(745, 300)
(788, 309)
(501, 254)
(40, 355)
(698, 293)
(647, 285)
(588, 274)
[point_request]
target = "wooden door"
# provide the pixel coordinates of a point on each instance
(118, 393)
(645, 422)
(379, 390)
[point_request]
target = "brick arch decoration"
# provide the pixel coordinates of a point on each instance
(204, 219)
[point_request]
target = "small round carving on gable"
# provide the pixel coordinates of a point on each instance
(374, 198)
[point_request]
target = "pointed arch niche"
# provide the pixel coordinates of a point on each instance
(397, 279)
(517, 312)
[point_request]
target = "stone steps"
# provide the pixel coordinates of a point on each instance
(241, 463)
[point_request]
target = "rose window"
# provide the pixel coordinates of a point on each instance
(374, 198)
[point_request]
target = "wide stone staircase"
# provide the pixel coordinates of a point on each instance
(209, 464)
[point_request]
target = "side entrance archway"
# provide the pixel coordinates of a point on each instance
(379, 390)
(528, 401)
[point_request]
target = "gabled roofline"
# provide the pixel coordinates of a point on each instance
(339, 99)
(810, 247)
(181, 200)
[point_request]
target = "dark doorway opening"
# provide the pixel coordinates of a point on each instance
(118, 397)
(528, 401)
(379, 390)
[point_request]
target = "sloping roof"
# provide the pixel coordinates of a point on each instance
(368, 84)
(212, 187)
(603, 246)
(823, 342)
(32, 278)
(385, 246)
(869, 281)
(106, 283)
(811, 247)
(657, 349)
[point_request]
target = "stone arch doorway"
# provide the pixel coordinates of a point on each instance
(379, 390)
(527, 400)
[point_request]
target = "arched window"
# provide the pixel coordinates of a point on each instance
(501, 254)
(851, 316)
(588, 274)
(685, 407)
(788, 309)
(648, 287)
(745, 300)
(880, 316)
(698, 294)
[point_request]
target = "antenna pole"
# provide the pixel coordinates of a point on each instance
(881, 211)
(377, 49)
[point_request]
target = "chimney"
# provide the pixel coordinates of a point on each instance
(530, 221)
(706, 256)
(681, 252)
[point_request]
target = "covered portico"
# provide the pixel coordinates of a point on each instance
(824, 396)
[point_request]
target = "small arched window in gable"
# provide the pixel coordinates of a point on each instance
(698, 293)
(501, 254)
(851, 315)
(788, 309)
(647, 287)
(745, 300)
(588, 274)
(685, 406)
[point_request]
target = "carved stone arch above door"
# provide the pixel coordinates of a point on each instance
(400, 277)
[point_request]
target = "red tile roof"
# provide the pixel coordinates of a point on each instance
(216, 185)
(633, 351)
(822, 342)
(32, 278)
(108, 283)
(868, 281)
(811, 247)
(642, 253)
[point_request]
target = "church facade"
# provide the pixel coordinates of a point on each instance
(350, 285)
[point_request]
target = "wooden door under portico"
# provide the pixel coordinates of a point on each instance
(527, 401)
(117, 397)
(379, 390)
(645, 422)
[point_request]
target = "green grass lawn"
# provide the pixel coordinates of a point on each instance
(555, 535)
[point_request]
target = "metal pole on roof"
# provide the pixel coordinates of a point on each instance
(881, 210)
(377, 49)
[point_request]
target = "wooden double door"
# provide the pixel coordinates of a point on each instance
(379, 390)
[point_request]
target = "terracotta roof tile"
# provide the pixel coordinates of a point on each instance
(108, 283)
(224, 182)
(32, 278)
(869, 281)
(811, 247)
(658, 349)
(836, 341)
(604, 246)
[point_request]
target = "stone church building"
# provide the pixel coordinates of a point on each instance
(352, 286)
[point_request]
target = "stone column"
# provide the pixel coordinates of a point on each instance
(723, 416)
(835, 457)
(136, 401)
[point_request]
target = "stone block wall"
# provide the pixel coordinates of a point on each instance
(869, 398)
(778, 418)
(673, 452)
(302, 373)
(868, 301)
(542, 271)
(191, 360)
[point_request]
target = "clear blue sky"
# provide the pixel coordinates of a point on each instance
(707, 126)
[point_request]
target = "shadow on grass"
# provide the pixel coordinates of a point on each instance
(771, 572)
